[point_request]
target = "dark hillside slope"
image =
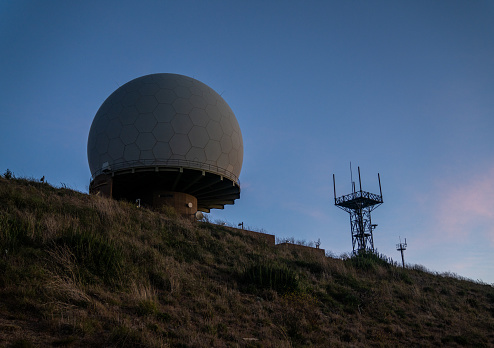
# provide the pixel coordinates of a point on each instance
(79, 270)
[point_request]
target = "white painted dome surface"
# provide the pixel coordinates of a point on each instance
(165, 120)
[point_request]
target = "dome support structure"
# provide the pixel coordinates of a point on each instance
(166, 139)
(208, 189)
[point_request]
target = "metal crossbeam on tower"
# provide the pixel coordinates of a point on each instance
(359, 204)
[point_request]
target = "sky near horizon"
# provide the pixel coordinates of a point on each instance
(400, 88)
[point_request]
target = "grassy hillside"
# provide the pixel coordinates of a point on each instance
(79, 270)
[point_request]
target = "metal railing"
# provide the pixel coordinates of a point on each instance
(356, 195)
(177, 163)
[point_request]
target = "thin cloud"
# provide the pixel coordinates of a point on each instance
(467, 209)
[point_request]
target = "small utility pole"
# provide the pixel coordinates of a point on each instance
(402, 247)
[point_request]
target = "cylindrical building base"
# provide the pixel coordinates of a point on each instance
(188, 190)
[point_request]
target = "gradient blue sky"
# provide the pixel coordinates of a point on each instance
(403, 88)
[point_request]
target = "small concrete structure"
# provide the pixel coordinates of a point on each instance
(268, 238)
(271, 240)
(305, 248)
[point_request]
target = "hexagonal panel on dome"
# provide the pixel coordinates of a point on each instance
(223, 161)
(129, 115)
(180, 144)
(131, 98)
(198, 101)
(162, 151)
(164, 112)
(196, 90)
(145, 123)
(181, 124)
(113, 129)
(116, 148)
(145, 141)
(163, 132)
(131, 152)
(196, 154)
(149, 88)
(183, 92)
(214, 130)
(129, 134)
(102, 143)
(233, 157)
(198, 136)
(166, 95)
(115, 111)
(146, 103)
(182, 106)
(226, 125)
(199, 117)
(213, 112)
(226, 143)
(213, 150)
(236, 141)
(147, 155)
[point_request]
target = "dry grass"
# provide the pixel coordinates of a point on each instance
(86, 271)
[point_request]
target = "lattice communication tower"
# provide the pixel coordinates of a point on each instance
(359, 204)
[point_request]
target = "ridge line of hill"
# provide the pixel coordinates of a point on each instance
(79, 270)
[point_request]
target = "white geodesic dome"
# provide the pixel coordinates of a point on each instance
(165, 119)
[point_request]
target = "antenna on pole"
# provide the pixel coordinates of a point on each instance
(402, 247)
(380, 191)
(352, 184)
(334, 188)
(359, 181)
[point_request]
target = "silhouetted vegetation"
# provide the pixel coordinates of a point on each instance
(79, 270)
(270, 276)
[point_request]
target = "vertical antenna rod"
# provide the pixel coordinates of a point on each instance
(380, 191)
(351, 178)
(359, 181)
(334, 188)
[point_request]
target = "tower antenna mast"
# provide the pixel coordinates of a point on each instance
(351, 178)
